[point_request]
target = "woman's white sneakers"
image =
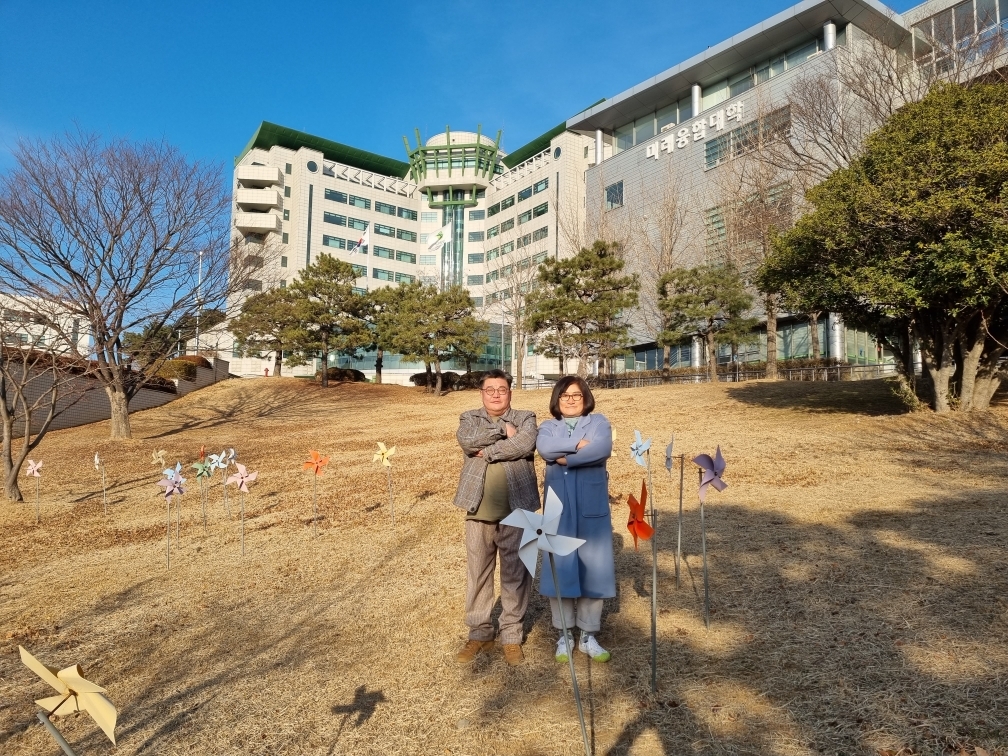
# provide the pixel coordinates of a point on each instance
(587, 645)
(564, 646)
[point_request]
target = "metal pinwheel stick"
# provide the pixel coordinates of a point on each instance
(539, 533)
(316, 465)
(383, 455)
(99, 466)
(33, 471)
(682, 467)
(710, 475)
(640, 450)
(241, 479)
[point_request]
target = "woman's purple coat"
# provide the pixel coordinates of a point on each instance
(583, 488)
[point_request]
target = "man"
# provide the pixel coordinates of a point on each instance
(498, 476)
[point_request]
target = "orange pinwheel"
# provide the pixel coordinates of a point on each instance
(316, 463)
(637, 524)
(202, 453)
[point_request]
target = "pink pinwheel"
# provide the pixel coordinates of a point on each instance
(172, 484)
(242, 478)
(33, 469)
(712, 470)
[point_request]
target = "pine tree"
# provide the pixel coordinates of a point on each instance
(268, 323)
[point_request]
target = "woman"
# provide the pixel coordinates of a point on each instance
(576, 446)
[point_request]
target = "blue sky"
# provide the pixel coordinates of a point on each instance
(202, 75)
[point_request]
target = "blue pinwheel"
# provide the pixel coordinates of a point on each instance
(638, 449)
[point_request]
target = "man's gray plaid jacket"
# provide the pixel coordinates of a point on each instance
(477, 431)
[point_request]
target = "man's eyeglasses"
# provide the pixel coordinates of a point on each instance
(495, 391)
(571, 397)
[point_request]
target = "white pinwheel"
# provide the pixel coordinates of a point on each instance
(97, 462)
(540, 532)
(639, 448)
(75, 694)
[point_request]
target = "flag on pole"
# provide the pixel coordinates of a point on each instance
(437, 240)
(364, 241)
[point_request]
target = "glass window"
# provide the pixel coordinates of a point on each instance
(428, 217)
(524, 194)
(540, 186)
(493, 275)
(475, 236)
(253, 285)
(385, 252)
(740, 83)
(777, 66)
(332, 194)
(285, 237)
(493, 210)
(505, 249)
(922, 43)
(358, 290)
(541, 234)
(714, 95)
(716, 151)
(428, 259)
(384, 207)
(964, 26)
(357, 224)
(493, 254)
(540, 209)
(286, 191)
(406, 213)
(943, 29)
(333, 241)
(799, 55)
(492, 232)
(474, 280)
(335, 219)
(477, 301)
(475, 258)
(986, 14)
(476, 214)
(283, 283)
(644, 128)
(614, 195)
(685, 108)
(404, 278)
(540, 258)
(359, 270)
(286, 214)
(523, 241)
(382, 275)
(524, 217)
(666, 117)
(402, 233)
(507, 225)
(283, 261)
(383, 230)
(507, 202)
(287, 168)
(406, 257)
(360, 202)
(624, 137)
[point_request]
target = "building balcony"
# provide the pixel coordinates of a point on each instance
(257, 223)
(257, 199)
(258, 175)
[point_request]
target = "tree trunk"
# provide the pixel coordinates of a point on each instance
(378, 365)
(988, 378)
(519, 365)
(937, 351)
(666, 357)
(119, 420)
(711, 356)
(437, 371)
(277, 362)
(11, 471)
(771, 337)
(430, 378)
(814, 324)
(971, 347)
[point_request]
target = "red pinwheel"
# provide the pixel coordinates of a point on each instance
(316, 463)
(637, 524)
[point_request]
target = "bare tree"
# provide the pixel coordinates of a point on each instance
(121, 236)
(40, 378)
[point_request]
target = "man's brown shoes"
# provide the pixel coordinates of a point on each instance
(472, 649)
(513, 654)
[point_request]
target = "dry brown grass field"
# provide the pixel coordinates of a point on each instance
(858, 568)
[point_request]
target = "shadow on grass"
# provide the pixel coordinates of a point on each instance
(871, 397)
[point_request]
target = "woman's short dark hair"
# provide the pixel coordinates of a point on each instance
(562, 385)
(495, 373)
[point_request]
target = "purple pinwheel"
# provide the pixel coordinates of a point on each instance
(242, 478)
(639, 448)
(173, 481)
(712, 470)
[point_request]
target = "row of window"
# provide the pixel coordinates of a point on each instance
(539, 186)
(506, 270)
(746, 138)
(365, 204)
(342, 220)
(389, 275)
(523, 241)
(525, 217)
(389, 254)
(647, 127)
(938, 35)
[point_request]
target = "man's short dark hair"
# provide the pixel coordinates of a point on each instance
(495, 373)
(562, 385)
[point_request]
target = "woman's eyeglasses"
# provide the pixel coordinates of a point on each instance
(571, 397)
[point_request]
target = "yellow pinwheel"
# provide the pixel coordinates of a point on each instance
(383, 454)
(75, 694)
(158, 458)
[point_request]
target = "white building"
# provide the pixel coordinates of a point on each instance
(509, 212)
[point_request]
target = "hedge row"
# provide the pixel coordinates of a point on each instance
(342, 375)
(180, 369)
